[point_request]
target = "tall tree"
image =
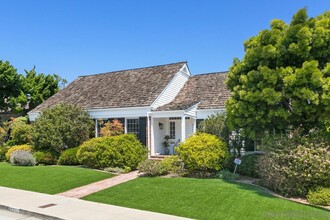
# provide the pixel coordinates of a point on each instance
(9, 85)
(283, 80)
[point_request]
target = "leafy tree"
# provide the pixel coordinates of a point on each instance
(60, 127)
(38, 86)
(9, 85)
(21, 131)
(283, 80)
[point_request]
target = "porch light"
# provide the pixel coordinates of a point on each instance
(161, 126)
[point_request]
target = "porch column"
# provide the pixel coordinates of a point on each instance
(148, 133)
(152, 136)
(194, 125)
(96, 128)
(183, 128)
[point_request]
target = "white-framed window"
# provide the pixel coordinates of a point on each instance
(132, 126)
(172, 129)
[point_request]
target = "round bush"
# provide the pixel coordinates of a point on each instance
(115, 151)
(69, 157)
(320, 196)
(294, 170)
(22, 158)
(24, 147)
(46, 157)
(202, 152)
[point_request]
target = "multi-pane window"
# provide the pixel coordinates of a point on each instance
(172, 130)
(132, 126)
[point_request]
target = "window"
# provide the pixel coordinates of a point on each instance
(172, 130)
(177, 118)
(132, 126)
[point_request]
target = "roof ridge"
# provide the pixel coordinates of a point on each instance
(147, 67)
(219, 72)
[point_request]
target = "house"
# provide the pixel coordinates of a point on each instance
(151, 102)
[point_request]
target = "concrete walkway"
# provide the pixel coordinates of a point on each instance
(55, 207)
(100, 185)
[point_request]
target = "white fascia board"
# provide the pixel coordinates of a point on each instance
(185, 66)
(33, 115)
(166, 114)
(168, 85)
(191, 111)
(203, 113)
(119, 112)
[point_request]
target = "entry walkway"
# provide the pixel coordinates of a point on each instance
(100, 185)
(44, 206)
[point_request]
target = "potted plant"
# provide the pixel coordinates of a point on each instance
(166, 144)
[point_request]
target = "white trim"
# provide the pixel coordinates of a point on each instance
(112, 109)
(132, 112)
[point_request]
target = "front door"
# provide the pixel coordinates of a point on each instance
(175, 133)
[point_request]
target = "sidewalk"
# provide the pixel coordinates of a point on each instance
(100, 185)
(53, 207)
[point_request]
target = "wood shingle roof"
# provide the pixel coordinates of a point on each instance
(209, 90)
(127, 88)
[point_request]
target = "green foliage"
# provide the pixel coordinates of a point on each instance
(152, 168)
(203, 152)
(23, 147)
(292, 167)
(284, 78)
(60, 127)
(227, 175)
(248, 166)
(10, 85)
(114, 151)
(320, 196)
(3, 151)
(174, 165)
(21, 131)
(69, 157)
(22, 158)
(46, 157)
(117, 170)
(216, 125)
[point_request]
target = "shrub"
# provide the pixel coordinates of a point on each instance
(22, 158)
(69, 157)
(320, 196)
(24, 147)
(117, 170)
(115, 151)
(46, 157)
(227, 175)
(152, 168)
(3, 151)
(21, 131)
(294, 168)
(248, 166)
(113, 128)
(174, 165)
(60, 127)
(228, 163)
(202, 152)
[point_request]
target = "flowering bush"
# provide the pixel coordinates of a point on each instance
(293, 170)
(113, 128)
(24, 147)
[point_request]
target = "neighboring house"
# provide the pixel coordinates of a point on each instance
(151, 102)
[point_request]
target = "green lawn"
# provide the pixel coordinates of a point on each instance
(48, 179)
(204, 199)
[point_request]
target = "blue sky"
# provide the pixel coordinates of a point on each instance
(76, 37)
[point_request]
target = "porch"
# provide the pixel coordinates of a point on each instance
(176, 127)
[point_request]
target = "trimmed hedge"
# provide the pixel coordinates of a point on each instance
(69, 157)
(202, 152)
(115, 151)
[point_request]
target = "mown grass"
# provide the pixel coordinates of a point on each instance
(48, 179)
(204, 199)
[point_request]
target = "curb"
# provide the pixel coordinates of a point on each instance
(29, 213)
